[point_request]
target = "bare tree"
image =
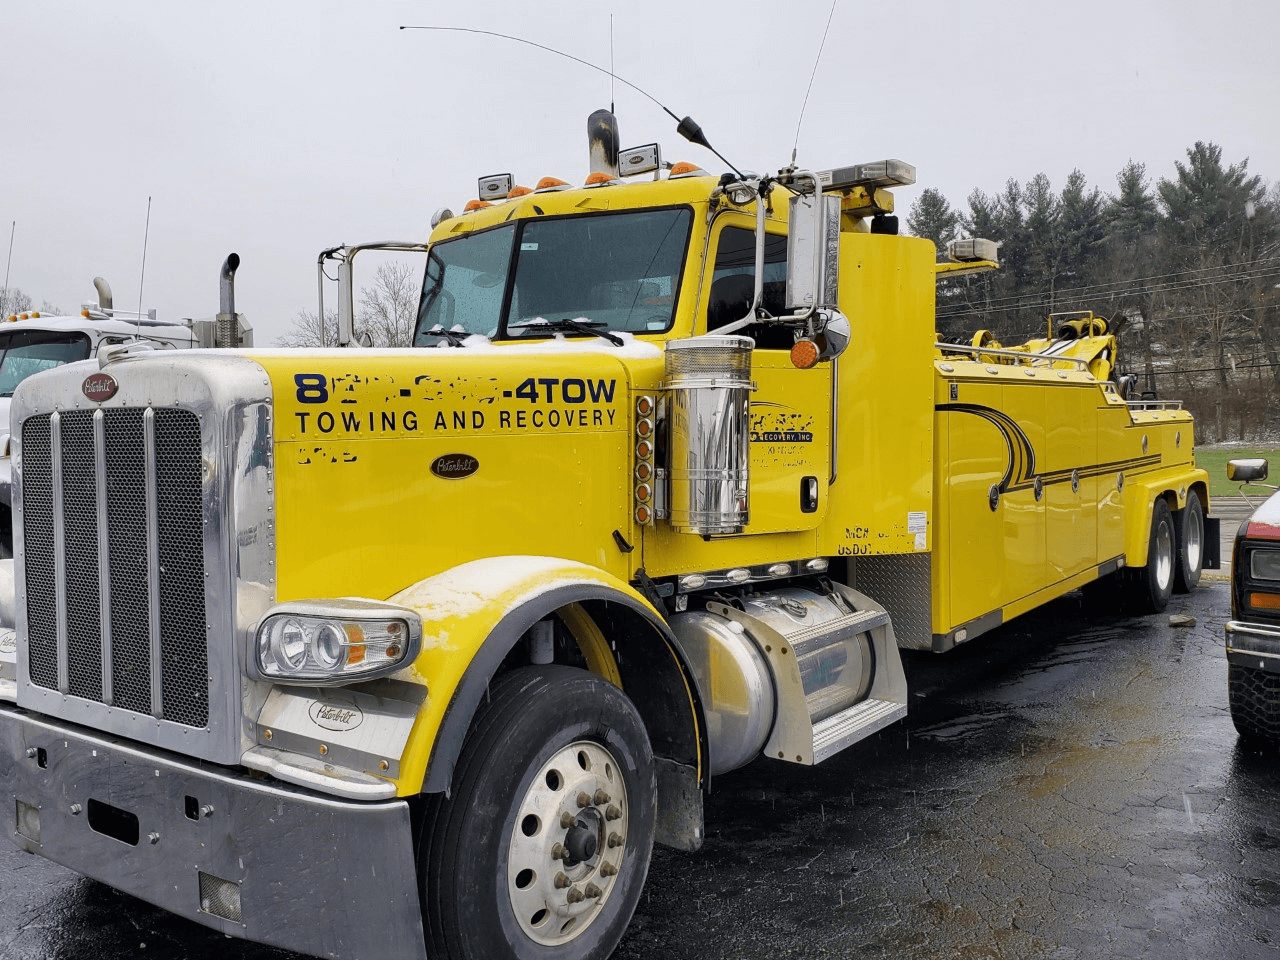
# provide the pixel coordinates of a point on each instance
(389, 308)
(13, 300)
(308, 331)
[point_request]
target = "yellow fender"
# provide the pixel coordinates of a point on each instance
(1140, 495)
(475, 613)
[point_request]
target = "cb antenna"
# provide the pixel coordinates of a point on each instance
(13, 228)
(687, 127)
(816, 60)
(611, 73)
(142, 274)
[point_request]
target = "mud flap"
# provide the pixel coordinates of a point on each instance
(679, 824)
(1212, 543)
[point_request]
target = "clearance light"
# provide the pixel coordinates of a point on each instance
(804, 354)
(644, 471)
(780, 570)
(519, 191)
(84, 313)
(644, 428)
(335, 641)
(684, 168)
(644, 449)
(693, 581)
(473, 205)
(1264, 601)
(598, 179)
(437, 218)
(643, 491)
(738, 575)
(35, 315)
(816, 565)
(643, 514)
(644, 406)
(551, 183)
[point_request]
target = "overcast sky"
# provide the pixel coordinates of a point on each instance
(276, 129)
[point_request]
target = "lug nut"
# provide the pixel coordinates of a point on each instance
(75, 809)
(601, 798)
(613, 813)
(567, 820)
(31, 753)
(206, 810)
(561, 881)
(615, 840)
(608, 869)
(575, 895)
(154, 838)
(593, 891)
(584, 798)
(558, 852)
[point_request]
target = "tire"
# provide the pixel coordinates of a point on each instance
(494, 856)
(1149, 588)
(1254, 696)
(1188, 524)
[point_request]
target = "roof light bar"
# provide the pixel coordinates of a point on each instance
(971, 249)
(879, 173)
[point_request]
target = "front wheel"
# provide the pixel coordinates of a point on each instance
(545, 841)
(1189, 525)
(1254, 696)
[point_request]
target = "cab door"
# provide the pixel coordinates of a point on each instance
(791, 409)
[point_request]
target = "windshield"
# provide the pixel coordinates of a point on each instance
(618, 270)
(23, 353)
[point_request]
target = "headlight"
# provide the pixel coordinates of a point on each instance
(1265, 565)
(335, 641)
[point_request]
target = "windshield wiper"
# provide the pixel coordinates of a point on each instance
(564, 325)
(455, 337)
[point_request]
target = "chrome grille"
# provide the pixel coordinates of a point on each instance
(113, 543)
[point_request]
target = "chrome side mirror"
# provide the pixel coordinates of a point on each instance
(1247, 471)
(833, 338)
(813, 251)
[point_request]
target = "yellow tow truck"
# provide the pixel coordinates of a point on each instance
(401, 653)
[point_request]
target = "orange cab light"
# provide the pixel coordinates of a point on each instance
(23, 316)
(597, 178)
(476, 205)
(35, 314)
(643, 514)
(804, 354)
(85, 313)
(684, 166)
(1264, 601)
(519, 191)
(644, 449)
(550, 183)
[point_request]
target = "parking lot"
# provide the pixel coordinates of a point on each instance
(1068, 786)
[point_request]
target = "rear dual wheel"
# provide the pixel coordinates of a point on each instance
(1189, 525)
(544, 844)
(1148, 589)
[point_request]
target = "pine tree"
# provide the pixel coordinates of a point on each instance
(933, 218)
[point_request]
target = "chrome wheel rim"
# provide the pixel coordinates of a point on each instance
(1164, 555)
(1192, 535)
(568, 843)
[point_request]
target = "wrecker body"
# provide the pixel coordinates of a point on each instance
(374, 653)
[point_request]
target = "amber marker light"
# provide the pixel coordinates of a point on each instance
(643, 514)
(643, 471)
(644, 449)
(473, 205)
(355, 643)
(552, 183)
(519, 191)
(804, 354)
(643, 491)
(644, 428)
(644, 406)
(597, 178)
(1264, 601)
(684, 166)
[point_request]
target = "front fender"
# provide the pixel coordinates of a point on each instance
(472, 616)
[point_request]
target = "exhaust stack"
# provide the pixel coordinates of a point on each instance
(104, 293)
(602, 142)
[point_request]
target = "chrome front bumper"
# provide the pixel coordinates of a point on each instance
(1253, 645)
(327, 877)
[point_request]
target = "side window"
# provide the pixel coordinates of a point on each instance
(733, 278)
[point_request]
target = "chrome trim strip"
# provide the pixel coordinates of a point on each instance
(59, 548)
(104, 567)
(318, 775)
(153, 560)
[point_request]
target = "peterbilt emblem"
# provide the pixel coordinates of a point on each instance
(335, 716)
(454, 466)
(99, 387)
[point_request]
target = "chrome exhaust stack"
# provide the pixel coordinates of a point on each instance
(105, 302)
(602, 143)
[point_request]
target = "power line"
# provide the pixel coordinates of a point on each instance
(1102, 288)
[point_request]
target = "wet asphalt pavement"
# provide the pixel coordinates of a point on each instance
(1069, 786)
